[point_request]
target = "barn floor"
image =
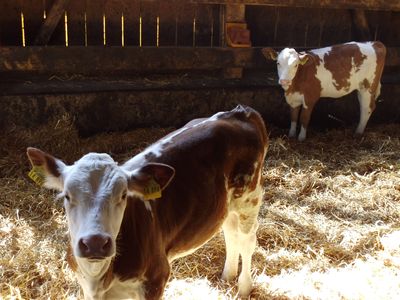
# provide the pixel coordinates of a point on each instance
(329, 226)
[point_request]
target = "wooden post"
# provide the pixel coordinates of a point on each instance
(51, 22)
(235, 33)
(359, 20)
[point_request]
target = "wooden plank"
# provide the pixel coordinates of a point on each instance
(76, 23)
(49, 25)
(10, 23)
(213, 12)
(186, 14)
(33, 17)
(149, 10)
(113, 12)
(359, 20)
(393, 5)
(57, 86)
(113, 60)
(131, 15)
(384, 28)
(262, 31)
(94, 19)
(168, 14)
(110, 61)
(235, 13)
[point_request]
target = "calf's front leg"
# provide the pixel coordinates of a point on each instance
(305, 117)
(294, 116)
(157, 277)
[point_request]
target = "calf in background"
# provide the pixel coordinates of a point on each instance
(329, 72)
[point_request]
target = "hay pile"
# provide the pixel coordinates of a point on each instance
(329, 227)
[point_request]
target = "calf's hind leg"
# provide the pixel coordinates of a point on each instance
(367, 106)
(240, 238)
(248, 239)
(231, 235)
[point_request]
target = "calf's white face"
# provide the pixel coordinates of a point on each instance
(95, 194)
(288, 62)
(95, 191)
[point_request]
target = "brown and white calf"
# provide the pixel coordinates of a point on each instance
(329, 72)
(128, 222)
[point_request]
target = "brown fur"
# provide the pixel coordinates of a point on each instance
(307, 73)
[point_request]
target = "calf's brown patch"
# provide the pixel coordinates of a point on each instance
(306, 82)
(339, 61)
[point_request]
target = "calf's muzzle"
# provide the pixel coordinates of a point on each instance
(95, 246)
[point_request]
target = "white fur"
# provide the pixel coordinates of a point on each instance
(302, 134)
(295, 99)
(292, 130)
(128, 289)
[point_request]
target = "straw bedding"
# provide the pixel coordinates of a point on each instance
(329, 225)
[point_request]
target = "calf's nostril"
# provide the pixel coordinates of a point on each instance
(83, 247)
(107, 245)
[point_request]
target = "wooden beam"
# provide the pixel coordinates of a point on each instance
(234, 14)
(110, 61)
(40, 86)
(49, 25)
(114, 60)
(391, 5)
(360, 23)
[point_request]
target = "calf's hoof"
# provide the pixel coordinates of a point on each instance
(245, 286)
(301, 138)
(228, 275)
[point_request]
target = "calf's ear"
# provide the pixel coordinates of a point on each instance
(46, 169)
(269, 53)
(149, 180)
(303, 58)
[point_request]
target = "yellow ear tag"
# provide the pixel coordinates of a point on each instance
(37, 175)
(152, 190)
(303, 61)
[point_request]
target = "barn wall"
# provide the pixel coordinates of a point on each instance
(188, 23)
(114, 111)
(173, 65)
(97, 112)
